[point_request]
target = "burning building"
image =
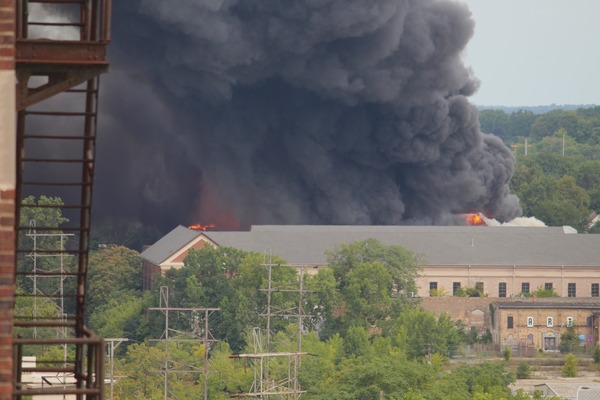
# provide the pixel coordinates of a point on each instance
(500, 261)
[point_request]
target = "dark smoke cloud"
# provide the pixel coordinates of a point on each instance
(303, 112)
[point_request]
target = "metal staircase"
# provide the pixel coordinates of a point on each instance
(60, 53)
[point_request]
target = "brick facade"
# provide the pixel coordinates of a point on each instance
(7, 34)
(7, 289)
(7, 193)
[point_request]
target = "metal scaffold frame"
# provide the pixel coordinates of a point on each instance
(207, 338)
(263, 385)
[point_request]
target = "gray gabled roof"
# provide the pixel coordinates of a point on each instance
(442, 245)
(169, 244)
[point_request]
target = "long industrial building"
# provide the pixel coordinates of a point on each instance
(500, 261)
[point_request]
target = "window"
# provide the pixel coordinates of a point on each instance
(525, 287)
(589, 321)
(433, 288)
(509, 322)
(595, 290)
(479, 287)
(571, 290)
(455, 287)
(548, 286)
(530, 322)
(501, 289)
(569, 321)
(549, 322)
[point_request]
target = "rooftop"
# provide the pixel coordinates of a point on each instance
(441, 245)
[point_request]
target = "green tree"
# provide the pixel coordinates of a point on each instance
(507, 353)
(557, 202)
(543, 292)
(420, 334)
(356, 342)
(44, 216)
(550, 122)
(402, 264)
(367, 293)
(520, 123)
(114, 273)
(121, 318)
(569, 341)
(596, 354)
(496, 122)
(523, 370)
(569, 369)
(48, 215)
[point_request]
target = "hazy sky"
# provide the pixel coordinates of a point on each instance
(535, 52)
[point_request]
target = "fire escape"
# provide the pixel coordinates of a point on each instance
(60, 53)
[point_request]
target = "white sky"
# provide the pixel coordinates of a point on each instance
(535, 52)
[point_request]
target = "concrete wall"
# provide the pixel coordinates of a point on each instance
(7, 192)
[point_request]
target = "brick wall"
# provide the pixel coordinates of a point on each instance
(7, 193)
(475, 311)
(7, 34)
(7, 260)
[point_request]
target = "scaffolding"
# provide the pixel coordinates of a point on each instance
(199, 331)
(264, 384)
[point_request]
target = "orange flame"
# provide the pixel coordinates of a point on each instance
(199, 227)
(475, 219)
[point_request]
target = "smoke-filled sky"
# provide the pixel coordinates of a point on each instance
(239, 112)
(535, 52)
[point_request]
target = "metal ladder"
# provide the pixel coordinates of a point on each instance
(57, 111)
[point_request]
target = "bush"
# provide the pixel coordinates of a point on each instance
(597, 354)
(507, 353)
(569, 369)
(523, 371)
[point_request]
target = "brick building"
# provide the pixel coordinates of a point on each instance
(541, 324)
(501, 261)
(7, 191)
(169, 252)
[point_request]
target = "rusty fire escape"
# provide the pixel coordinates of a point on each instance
(60, 53)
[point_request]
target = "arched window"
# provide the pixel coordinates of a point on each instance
(569, 321)
(549, 322)
(530, 322)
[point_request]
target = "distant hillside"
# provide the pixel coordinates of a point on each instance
(537, 109)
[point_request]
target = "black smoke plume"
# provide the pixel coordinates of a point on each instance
(240, 112)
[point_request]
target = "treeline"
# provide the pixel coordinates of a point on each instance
(557, 176)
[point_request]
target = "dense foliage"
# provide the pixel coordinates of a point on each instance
(364, 339)
(557, 178)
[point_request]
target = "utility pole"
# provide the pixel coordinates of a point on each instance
(114, 343)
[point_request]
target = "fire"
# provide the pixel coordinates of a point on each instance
(199, 227)
(475, 219)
